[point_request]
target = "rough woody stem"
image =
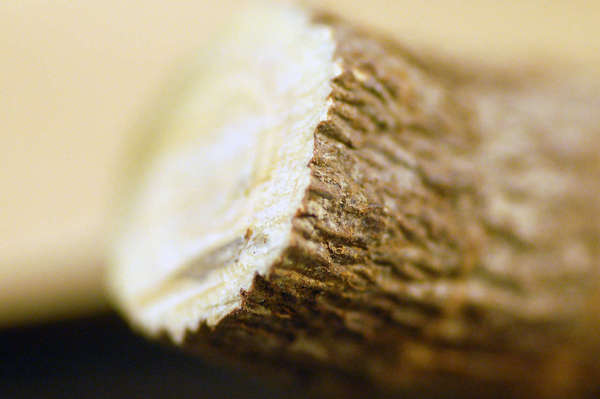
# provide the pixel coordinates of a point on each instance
(447, 241)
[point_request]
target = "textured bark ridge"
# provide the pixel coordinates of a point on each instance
(448, 240)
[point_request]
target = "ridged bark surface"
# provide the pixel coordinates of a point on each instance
(448, 241)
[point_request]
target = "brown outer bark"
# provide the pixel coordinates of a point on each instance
(447, 243)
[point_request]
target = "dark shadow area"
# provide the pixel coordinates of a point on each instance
(101, 358)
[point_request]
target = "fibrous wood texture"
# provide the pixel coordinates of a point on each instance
(447, 241)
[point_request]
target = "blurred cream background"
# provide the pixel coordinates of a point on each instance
(74, 76)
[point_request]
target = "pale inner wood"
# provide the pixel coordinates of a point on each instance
(216, 200)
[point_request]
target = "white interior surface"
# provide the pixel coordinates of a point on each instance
(215, 202)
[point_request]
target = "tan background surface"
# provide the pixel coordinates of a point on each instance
(74, 75)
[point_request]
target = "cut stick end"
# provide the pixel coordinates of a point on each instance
(215, 202)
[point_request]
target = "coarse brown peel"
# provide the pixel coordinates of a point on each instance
(321, 200)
